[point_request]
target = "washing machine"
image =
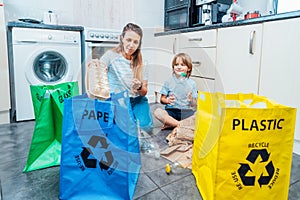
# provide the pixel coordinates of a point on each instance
(42, 57)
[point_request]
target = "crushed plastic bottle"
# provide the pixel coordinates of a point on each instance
(147, 145)
(173, 168)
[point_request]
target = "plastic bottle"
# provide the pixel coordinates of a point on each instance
(173, 168)
(147, 145)
(181, 92)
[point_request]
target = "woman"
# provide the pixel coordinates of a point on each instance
(126, 72)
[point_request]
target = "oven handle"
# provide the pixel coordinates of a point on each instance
(27, 41)
(102, 44)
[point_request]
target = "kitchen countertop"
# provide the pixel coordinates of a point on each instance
(262, 19)
(43, 26)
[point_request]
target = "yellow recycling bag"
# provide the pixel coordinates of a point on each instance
(243, 147)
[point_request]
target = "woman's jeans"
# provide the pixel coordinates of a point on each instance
(141, 111)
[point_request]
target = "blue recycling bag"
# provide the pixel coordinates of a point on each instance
(100, 156)
(141, 111)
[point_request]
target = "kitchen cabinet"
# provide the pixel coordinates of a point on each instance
(160, 65)
(280, 66)
(4, 77)
(201, 47)
(167, 43)
(238, 59)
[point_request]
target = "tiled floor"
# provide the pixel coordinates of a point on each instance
(153, 182)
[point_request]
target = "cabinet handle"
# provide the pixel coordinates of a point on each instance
(174, 45)
(195, 39)
(196, 63)
(252, 35)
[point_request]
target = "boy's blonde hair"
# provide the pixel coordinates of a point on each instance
(186, 59)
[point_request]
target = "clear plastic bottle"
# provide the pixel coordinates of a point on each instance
(147, 145)
(181, 93)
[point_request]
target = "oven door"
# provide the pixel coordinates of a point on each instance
(94, 50)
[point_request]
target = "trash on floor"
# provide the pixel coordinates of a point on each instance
(180, 142)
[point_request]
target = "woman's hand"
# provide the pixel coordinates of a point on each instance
(136, 84)
(139, 87)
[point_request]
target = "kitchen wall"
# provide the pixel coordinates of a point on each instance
(91, 13)
(15, 9)
(111, 14)
(288, 6)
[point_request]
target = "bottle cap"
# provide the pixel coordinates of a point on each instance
(168, 169)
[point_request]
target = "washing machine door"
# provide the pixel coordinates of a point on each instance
(50, 67)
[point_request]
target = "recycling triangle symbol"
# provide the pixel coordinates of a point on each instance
(104, 164)
(252, 158)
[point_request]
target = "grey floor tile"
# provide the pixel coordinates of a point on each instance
(294, 192)
(155, 167)
(16, 142)
(154, 195)
(17, 128)
(295, 171)
(161, 178)
(40, 184)
(144, 186)
(183, 189)
(152, 163)
(11, 169)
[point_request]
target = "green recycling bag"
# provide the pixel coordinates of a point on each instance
(48, 104)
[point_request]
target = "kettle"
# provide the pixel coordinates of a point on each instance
(50, 18)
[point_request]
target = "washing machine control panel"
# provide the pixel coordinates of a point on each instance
(102, 35)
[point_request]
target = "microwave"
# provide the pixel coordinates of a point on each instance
(177, 19)
(177, 13)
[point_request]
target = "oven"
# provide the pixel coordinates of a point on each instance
(96, 43)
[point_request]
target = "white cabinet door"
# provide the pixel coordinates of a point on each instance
(206, 38)
(280, 65)
(167, 43)
(201, 47)
(238, 59)
(203, 84)
(160, 65)
(166, 48)
(204, 61)
(203, 72)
